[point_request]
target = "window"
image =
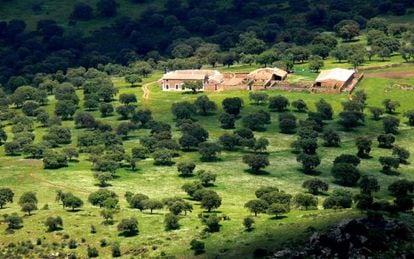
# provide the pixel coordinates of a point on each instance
(167, 87)
(176, 87)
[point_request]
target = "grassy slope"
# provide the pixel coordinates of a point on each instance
(234, 184)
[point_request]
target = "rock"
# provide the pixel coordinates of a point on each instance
(357, 238)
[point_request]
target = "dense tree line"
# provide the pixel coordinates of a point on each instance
(226, 34)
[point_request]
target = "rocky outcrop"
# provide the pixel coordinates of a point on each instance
(358, 238)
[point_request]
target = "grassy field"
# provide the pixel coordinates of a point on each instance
(234, 184)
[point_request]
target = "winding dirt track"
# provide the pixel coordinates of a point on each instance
(50, 184)
(146, 91)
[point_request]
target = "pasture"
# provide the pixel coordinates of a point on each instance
(234, 183)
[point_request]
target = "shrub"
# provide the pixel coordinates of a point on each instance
(116, 250)
(186, 169)
(338, 199)
(256, 162)
(278, 103)
(248, 223)
(277, 209)
(128, 227)
(346, 174)
(54, 223)
(92, 252)
(171, 221)
(197, 246)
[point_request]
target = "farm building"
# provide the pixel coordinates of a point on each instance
(265, 77)
(213, 80)
(174, 80)
(336, 79)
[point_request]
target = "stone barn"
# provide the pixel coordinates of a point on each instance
(334, 80)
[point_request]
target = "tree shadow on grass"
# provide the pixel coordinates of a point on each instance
(102, 185)
(108, 222)
(391, 173)
(73, 160)
(312, 173)
(153, 213)
(278, 217)
(74, 211)
(54, 230)
(190, 92)
(211, 160)
(128, 234)
(188, 150)
(213, 211)
(259, 172)
(165, 164)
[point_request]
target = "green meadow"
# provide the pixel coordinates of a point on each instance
(234, 183)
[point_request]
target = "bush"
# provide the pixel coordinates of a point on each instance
(197, 246)
(212, 222)
(345, 174)
(248, 223)
(331, 138)
(315, 185)
(209, 151)
(391, 124)
(72, 244)
(256, 206)
(54, 223)
(277, 209)
(82, 11)
(171, 221)
(338, 199)
(116, 250)
(278, 103)
(186, 169)
(345, 158)
(106, 109)
(128, 227)
(14, 221)
(210, 200)
(163, 157)
(227, 120)
(232, 105)
(389, 163)
(256, 162)
(54, 160)
(92, 252)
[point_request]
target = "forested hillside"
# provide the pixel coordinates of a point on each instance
(48, 36)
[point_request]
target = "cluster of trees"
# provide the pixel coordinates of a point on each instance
(227, 34)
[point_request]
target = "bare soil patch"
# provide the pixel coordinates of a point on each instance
(392, 74)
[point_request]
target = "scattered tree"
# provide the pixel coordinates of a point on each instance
(256, 162)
